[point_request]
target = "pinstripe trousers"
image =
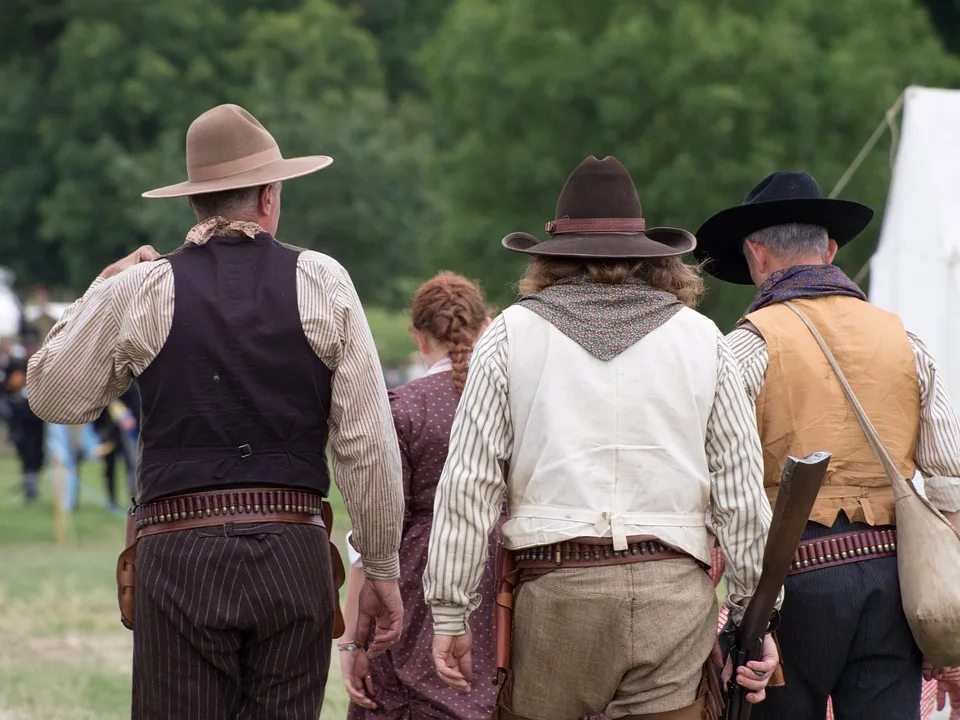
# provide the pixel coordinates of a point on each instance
(843, 634)
(233, 622)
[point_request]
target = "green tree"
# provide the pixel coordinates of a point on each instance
(98, 114)
(699, 100)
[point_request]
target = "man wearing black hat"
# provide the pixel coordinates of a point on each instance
(843, 631)
(620, 414)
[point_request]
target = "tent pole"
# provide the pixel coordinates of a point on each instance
(887, 122)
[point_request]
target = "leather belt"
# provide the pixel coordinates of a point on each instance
(246, 505)
(844, 548)
(592, 552)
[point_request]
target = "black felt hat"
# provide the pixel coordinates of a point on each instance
(599, 216)
(779, 199)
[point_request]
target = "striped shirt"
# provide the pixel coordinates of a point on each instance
(111, 334)
(938, 444)
(472, 488)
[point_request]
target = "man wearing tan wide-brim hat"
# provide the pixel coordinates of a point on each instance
(251, 357)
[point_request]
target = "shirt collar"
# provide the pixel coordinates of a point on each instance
(444, 365)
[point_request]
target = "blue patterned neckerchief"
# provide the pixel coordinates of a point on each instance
(804, 281)
(604, 319)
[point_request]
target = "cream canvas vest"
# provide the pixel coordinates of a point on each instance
(802, 408)
(610, 448)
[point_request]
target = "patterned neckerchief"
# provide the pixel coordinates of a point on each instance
(220, 226)
(804, 281)
(604, 319)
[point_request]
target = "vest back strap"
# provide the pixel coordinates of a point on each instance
(300, 447)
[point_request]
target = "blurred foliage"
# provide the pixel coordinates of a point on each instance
(452, 122)
(700, 100)
(391, 333)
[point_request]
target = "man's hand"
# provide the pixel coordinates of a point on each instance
(355, 672)
(948, 686)
(141, 254)
(755, 675)
(453, 658)
(380, 601)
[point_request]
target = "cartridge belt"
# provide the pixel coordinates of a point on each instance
(592, 552)
(246, 505)
(845, 548)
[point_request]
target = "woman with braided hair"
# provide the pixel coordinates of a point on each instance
(448, 315)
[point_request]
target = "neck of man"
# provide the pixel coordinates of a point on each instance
(777, 265)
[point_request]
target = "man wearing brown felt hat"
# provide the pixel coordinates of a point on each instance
(619, 413)
(251, 357)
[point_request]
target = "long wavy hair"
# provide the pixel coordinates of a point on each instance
(450, 309)
(669, 274)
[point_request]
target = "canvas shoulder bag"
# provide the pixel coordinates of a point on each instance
(928, 546)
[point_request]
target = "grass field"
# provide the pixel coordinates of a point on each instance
(63, 653)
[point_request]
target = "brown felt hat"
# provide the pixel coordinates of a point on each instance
(228, 149)
(599, 216)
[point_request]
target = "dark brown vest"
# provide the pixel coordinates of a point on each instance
(236, 397)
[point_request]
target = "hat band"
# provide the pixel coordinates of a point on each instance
(234, 167)
(596, 225)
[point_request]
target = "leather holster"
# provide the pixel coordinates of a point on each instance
(507, 580)
(126, 566)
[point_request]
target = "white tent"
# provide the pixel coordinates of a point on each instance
(916, 269)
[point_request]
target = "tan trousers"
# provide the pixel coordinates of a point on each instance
(620, 640)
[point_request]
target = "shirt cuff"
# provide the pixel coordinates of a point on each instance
(943, 492)
(737, 605)
(449, 620)
(385, 569)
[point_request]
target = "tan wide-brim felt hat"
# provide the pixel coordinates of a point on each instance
(228, 149)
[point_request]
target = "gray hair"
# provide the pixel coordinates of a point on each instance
(793, 240)
(228, 203)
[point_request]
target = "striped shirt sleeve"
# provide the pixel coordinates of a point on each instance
(750, 350)
(938, 443)
(101, 343)
(740, 513)
(363, 441)
(472, 488)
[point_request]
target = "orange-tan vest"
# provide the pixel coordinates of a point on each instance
(802, 408)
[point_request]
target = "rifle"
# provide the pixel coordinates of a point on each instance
(796, 495)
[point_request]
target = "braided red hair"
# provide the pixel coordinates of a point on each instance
(451, 310)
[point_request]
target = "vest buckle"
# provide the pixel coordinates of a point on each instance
(245, 450)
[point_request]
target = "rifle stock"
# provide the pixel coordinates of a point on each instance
(796, 495)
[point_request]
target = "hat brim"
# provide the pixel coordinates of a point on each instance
(655, 242)
(277, 171)
(720, 239)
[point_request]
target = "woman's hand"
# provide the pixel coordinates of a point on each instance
(355, 672)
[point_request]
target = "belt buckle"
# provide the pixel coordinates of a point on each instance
(245, 450)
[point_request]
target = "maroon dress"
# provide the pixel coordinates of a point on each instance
(405, 680)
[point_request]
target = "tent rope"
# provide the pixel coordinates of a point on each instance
(889, 122)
